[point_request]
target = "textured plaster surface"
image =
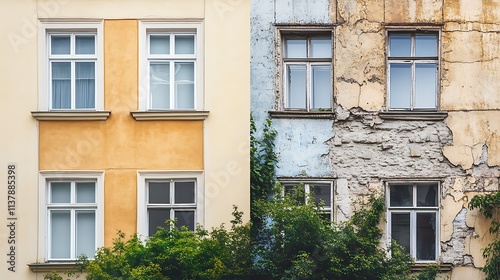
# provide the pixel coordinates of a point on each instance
(360, 149)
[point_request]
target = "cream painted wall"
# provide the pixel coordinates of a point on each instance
(18, 132)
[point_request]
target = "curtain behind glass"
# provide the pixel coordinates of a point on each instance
(184, 85)
(61, 85)
(85, 233)
(85, 85)
(60, 223)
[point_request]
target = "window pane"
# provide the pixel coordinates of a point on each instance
(159, 44)
(401, 195)
(400, 85)
(85, 44)
(60, 223)
(159, 77)
(159, 192)
(426, 236)
(85, 85)
(60, 192)
(296, 192)
(296, 75)
(321, 86)
(296, 48)
(427, 194)
(157, 218)
(322, 193)
(61, 85)
(184, 44)
(60, 44)
(400, 45)
(425, 45)
(85, 192)
(400, 230)
(425, 85)
(85, 233)
(184, 192)
(185, 218)
(321, 48)
(184, 85)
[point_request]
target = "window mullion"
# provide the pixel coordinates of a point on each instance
(413, 234)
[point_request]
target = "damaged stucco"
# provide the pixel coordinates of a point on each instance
(359, 148)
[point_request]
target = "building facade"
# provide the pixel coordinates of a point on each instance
(116, 117)
(396, 98)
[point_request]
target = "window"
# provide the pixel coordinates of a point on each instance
(413, 64)
(307, 67)
(73, 214)
(169, 195)
(321, 192)
(71, 67)
(171, 67)
(413, 218)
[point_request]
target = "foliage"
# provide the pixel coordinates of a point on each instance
(297, 243)
(489, 206)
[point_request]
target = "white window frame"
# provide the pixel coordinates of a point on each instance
(308, 62)
(307, 191)
(413, 60)
(178, 28)
(145, 176)
(45, 29)
(413, 210)
(45, 177)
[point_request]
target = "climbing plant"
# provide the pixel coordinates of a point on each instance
(489, 206)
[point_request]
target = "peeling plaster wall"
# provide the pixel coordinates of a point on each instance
(360, 149)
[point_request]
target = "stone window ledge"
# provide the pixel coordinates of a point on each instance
(53, 266)
(413, 115)
(71, 115)
(169, 115)
(443, 267)
(301, 115)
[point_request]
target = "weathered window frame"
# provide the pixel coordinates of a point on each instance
(307, 184)
(412, 211)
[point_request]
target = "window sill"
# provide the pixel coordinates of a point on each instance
(443, 267)
(71, 115)
(169, 115)
(301, 115)
(413, 115)
(53, 266)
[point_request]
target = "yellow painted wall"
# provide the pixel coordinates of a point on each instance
(121, 145)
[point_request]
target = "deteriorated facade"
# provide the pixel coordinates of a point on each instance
(399, 98)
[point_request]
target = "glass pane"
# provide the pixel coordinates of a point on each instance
(427, 194)
(85, 85)
(426, 236)
(184, 192)
(296, 75)
(400, 85)
(426, 45)
(60, 192)
(185, 218)
(184, 85)
(400, 230)
(321, 86)
(61, 85)
(401, 195)
(159, 78)
(60, 44)
(322, 193)
(85, 192)
(159, 44)
(321, 48)
(159, 192)
(326, 216)
(85, 233)
(296, 192)
(425, 85)
(400, 45)
(296, 48)
(60, 229)
(157, 218)
(184, 44)
(85, 44)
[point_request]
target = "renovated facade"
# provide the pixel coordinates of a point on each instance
(388, 97)
(116, 117)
